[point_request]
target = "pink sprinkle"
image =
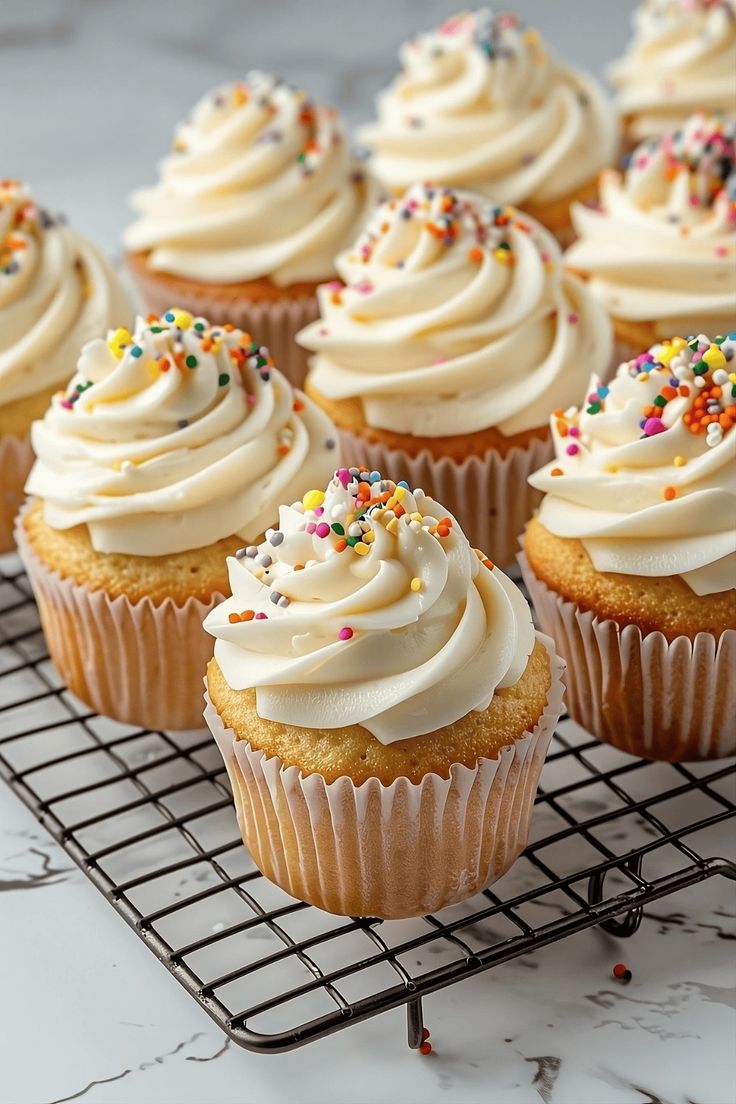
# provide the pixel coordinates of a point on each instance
(572, 450)
(694, 201)
(67, 405)
(365, 287)
(250, 399)
(345, 633)
(593, 396)
(318, 511)
(344, 476)
(721, 251)
(261, 616)
(334, 285)
(572, 319)
(323, 529)
(653, 426)
(573, 431)
(310, 527)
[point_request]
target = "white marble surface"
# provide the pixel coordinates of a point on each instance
(85, 1010)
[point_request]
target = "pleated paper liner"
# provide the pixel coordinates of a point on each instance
(141, 663)
(389, 851)
(16, 461)
(658, 699)
(271, 323)
(489, 495)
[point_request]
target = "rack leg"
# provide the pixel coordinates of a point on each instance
(415, 1023)
(628, 924)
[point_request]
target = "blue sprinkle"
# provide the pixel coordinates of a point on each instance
(374, 477)
(136, 351)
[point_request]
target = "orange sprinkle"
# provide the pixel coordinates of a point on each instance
(561, 428)
(283, 450)
(557, 471)
(669, 493)
(298, 404)
(443, 530)
(341, 545)
(488, 563)
(399, 510)
(475, 255)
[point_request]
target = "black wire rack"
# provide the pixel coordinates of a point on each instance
(148, 817)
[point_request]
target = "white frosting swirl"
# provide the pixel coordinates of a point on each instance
(682, 59)
(645, 474)
(662, 246)
(261, 183)
(481, 104)
(455, 316)
(175, 437)
(403, 632)
(56, 292)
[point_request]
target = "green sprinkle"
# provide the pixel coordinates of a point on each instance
(338, 528)
(191, 361)
(157, 329)
(352, 541)
(594, 408)
(223, 379)
(199, 326)
(660, 400)
(700, 368)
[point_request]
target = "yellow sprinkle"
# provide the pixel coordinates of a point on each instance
(392, 527)
(503, 256)
(714, 358)
(313, 499)
(153, 369)
(391, 502)
(416, 584)
(643, 377)
(182, 319)
(361, 549)
(678, 343)
(369, 537)
(120, 338)
(416, 517)
(399, 493)
(679, 461)
(668, 351)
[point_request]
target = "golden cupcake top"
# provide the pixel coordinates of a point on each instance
(174, 436)
(367, 605)
(661, 246)
(56, 292)
(645, 470)
(481, 103)
(453, 315)
(260, 184)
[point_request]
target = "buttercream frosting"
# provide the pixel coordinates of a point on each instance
(682, 58)
(645, 470)
(174, 437)
(260, 183)
(455, 315)
(661, 247)
(368, 606)
(481, 104)
(56, 292)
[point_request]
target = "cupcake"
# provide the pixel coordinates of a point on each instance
(481, 104)
(258, 195)
(455, 331)
(381, 702)
(681, 59)
(631, 562)
(56, 292)
(660, 251)
(170, 447)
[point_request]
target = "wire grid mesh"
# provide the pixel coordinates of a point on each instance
(148, 817)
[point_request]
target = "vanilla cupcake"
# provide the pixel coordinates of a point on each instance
(660, 251)
(481, 104)
(439, 356)
(681, 59)
(56, 292)
(631, 562)
(381, 703)
(257, 196)
(170, 447)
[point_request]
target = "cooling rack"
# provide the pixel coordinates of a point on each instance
(148, 817)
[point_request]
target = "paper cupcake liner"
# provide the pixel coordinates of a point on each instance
(490, 495)
(389, 851)
(659, 699)
(141, 663)
(272, 323)
(16, 461)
